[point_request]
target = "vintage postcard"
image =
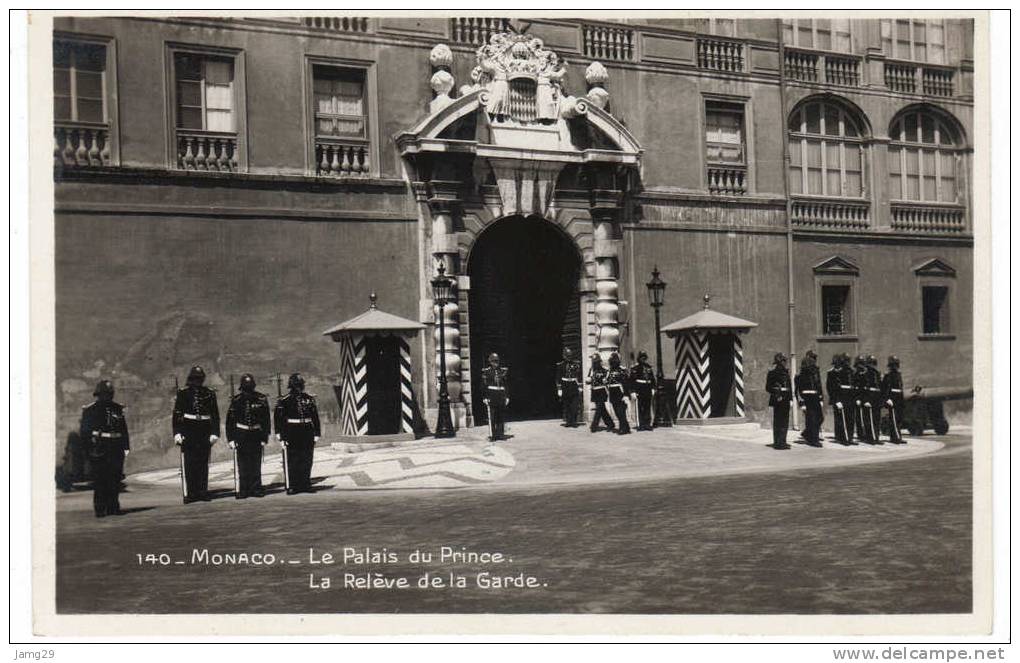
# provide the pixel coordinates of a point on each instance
(510, 323)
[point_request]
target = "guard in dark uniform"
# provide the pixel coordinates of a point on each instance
(247, 434)
(808, 390)
(296, 422)
(196, 425)
(875, 397)
(862, 403)
(837, 384)
(568, 388)
(496, 382)
(599, 394)
(616, 382)
(777, 384)
(104, 431)
(892, 395)
(643, 385)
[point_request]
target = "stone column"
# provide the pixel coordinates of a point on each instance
(444, 204)
(605, 214)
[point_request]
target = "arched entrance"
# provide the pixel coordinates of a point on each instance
(523, 304)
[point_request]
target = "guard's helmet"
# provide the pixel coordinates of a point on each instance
(493, 357)
(567, 353)
(614, 359)
(641, 356)
(103, 388)
(596, 358)
(296, 382)
(247, 382)
(861, 360)
(894, 361)
(810, 354)
(837, 359)
(196, 375)
(872, 361)
(779, 358)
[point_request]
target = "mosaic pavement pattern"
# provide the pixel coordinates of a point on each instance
(433, 466)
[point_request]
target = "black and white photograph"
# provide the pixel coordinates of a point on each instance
(501, 316)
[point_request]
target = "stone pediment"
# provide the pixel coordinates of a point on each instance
(837, 265)
(934, 267)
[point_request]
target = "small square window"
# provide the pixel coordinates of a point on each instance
(935, 309)
(836, 310)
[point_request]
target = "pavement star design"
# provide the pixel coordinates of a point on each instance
(414, 466)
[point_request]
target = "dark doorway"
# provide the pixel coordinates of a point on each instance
(720, 375)
(382, 365)
(523, 305)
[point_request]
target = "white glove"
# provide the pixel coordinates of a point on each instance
(126, 452)
(95, 433)
(315, 439)
(889, 403)
(178, 439)
(803, 407)
(839, 406)
(283, 443)
(265, 443)
(232, 444)
(858, 403)
(278, 438)
(485, 400)
(212, 439)
(508, 402)
(633, 395)
(559, 393)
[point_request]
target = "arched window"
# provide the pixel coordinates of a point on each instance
(923, 162)
(827, 153)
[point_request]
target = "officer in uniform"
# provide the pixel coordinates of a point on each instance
(875, 397)
(568, 388)
(616, 382)
(196, 426)
(642, 381)
(247, 433)
(599, 394)
(808, 390)
(837, 384)
(296, 422)
(777, 384)
(892, 395)
(104, 431)
(496, 381)
(862, 402)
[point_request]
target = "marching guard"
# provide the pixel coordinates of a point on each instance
(568, 388)
(840, 390)
(892, 394)
(104, 429)
(777, 384)
(862, 400)
(247, 434)
(808, 390)
(616, 382)
(875, 397)
(496, 380)
(196, 426)
(642, 380)
(599, 394)
(296, 422)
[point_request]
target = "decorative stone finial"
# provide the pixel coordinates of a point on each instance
(596, 74)
(705, 300)
(441, 57)
(442, 82)
(372, 298)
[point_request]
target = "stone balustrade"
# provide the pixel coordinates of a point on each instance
(727, 179)
(900, 77)
(920, 217)
(476, 30)
(605, 42)
(207, 150)
(842, 70)
(720, 54)
(338, 23)
(832, 214)
(81, 145)
(800, 65)
(816, 66)
(341, 159)
(936, 81)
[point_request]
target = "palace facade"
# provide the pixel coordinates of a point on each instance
(229, 189)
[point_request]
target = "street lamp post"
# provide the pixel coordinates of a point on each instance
(656, 293)
(442, 288)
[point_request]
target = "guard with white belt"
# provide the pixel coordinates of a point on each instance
(892, 395)
(599, 394)
(642, 387)
(616, 382)
(196, 426)
(247, 434)
(808, 385)
(862, 400)
(104, 430)
(841, 397)
(568, 388)
(777, 384)
(495, 385)
(296, 421)
(875, 397)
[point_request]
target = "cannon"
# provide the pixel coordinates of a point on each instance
(922, 408)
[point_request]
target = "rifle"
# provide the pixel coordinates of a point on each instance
(237, 483)
(492, 428)
(286, 469)
(184, 475)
